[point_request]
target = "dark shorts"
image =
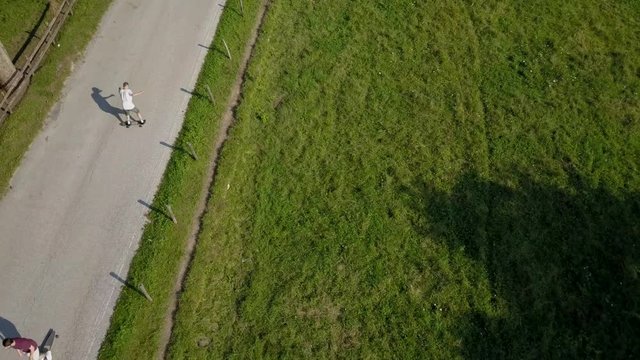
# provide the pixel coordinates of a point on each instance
(134, 110)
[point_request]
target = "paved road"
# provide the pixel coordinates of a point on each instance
(74, 214)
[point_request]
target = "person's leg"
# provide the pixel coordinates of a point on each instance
(140, 118)
(35, 355)
(127, 112)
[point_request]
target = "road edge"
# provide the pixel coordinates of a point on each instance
(137, 326)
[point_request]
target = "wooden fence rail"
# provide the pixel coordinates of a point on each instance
(17, 85)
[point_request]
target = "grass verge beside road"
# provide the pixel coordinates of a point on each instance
(20, 128)
(137, 325)
(419, 179)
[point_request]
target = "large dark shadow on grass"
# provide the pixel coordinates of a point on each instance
(566, 263)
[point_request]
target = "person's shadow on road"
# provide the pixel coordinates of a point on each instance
(7, 329)
(104, 105)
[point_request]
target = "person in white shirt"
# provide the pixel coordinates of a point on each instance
(127, 103)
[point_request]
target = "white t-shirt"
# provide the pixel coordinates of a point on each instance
(127, 99)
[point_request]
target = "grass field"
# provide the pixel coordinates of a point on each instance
(18, 19)
(19, 22)
(427, 179)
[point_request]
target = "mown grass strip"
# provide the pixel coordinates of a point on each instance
(224, 128)
(18, 130)
(136, 324)
(427, 179)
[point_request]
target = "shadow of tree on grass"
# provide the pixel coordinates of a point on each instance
(565, 263)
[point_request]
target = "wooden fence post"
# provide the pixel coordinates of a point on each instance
(210, 93)
(192, 152)
(226, 47)
(144, 292)
(173, 217)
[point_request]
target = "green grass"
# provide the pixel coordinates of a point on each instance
(17, 20)
(18, 130)
(137, 324)
(427, 179)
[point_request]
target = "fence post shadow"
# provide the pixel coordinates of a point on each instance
(32, 33)
(126, 283)
(173, 147)
(214, 48)
(194, 93)
(153, 208)
(233, 8)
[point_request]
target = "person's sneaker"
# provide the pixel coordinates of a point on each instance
(128, 123)
(142, 121)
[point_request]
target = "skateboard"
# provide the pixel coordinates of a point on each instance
(140, 123)
(48, 341)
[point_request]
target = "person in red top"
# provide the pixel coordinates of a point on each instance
(26, 346)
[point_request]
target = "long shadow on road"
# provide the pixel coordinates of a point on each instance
(104, 105)
(7, 329)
